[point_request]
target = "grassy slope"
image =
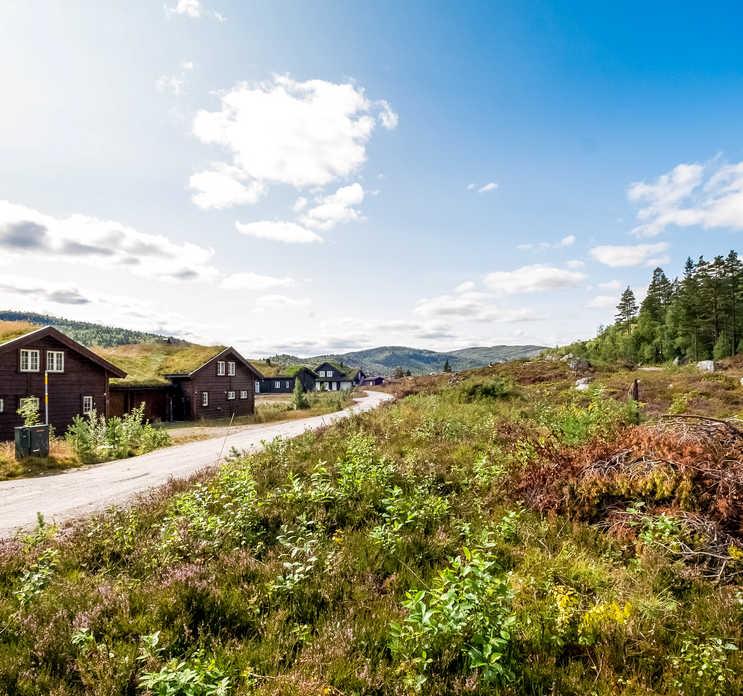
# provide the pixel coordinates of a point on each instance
(285, 572)
(13, 329)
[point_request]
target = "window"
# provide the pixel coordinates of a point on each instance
(231, 368)
(88, 404)
(257, 387)
(287, 383)
(243, 393)
(321, 373)
(29, 360)
(54, 361)
(2, 406)
(204, 398)
(220, 367)
(33, 400)
(230, 395)
(277, 385)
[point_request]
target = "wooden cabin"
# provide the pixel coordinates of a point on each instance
(332, 377)
(283, 382)
(78, 379)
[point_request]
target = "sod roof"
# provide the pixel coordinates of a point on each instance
(14, 329)
(148, 363)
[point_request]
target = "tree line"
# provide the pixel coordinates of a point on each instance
(698, 316)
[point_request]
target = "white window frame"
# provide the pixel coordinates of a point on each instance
(243, 393)
(287, 384)
(205, 398)
(277, 384)
(231, 368)
(55, 361)
(2, 405)
(221, 372)
(27, 398)
(30, 353)
(257, 386)
(230, 396)
(88, 404)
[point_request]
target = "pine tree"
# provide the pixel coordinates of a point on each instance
(626, 309)
(447, 366)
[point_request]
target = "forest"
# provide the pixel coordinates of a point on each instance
(695, 317)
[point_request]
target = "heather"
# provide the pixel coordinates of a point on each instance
(489, 532)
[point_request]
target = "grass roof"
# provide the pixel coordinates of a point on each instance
(148, 363)
(13, 329)
(267, 370)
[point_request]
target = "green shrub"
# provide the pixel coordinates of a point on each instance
(489, 389)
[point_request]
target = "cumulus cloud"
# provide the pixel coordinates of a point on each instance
(575, 263)
(534, 278)
(388, 118)
(174, 84)
(484, 188)
(25, 231)
(223, 186)
(603, 302)
(335, 208)
(278, 231)
(709, 196)
(618, 256)
(300, 204)
(42, 291)
(254, 281)
(282, 131)
(193, 9)
(563, 243)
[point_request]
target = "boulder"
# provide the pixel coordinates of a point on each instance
(582, 384)
(578, 364)
(676, 361)
(566, 357)
(706, 365)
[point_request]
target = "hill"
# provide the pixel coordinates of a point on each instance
(87, 333)
(385, 359)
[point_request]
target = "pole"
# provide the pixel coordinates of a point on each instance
(46, 397)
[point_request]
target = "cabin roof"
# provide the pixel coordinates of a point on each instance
(29, 336)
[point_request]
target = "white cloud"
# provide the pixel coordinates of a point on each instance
(300, 204)
(567, 241)
(603, 302)
(471, 305)
(610, 285)
(222, 187)
(709, 196)
(278, 231)
(490, 186)
(193, 9)
(471, 187)
(335, 208)
(103, 243)
(465, 286)
(254, 281)
(170, 83)
(274, 302)
(575, 263)
(387, 116)
(534, 278)
(618, 256)
(303, 134)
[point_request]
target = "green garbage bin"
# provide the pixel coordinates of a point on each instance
(31, 441)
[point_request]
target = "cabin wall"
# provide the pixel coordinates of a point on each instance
(207, 379)
(81, 377)
(158, 401)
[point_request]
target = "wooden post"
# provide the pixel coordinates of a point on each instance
(634, 395)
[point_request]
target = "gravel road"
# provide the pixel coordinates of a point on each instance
(79, 492)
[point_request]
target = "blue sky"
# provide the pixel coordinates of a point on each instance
(291, 177)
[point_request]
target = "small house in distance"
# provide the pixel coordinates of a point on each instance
(376, 381)
(332, 377)
(78, 379)
(183, 381)
(283, 379)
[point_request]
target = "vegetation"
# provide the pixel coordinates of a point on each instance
(147, 363)
(696, 317)
(82, 331)
(95, 438)
(495, 532)
(299, 398)
(29, 412)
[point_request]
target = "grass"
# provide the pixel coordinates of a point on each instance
(146, 363)
(13, 329)
(463, 540)
(61, 457)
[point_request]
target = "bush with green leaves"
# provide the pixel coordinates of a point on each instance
(299, 397)
(29, 412)
(464, 615)
(701, 667)
(95, 438)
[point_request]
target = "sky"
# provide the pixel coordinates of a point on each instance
(330, 176)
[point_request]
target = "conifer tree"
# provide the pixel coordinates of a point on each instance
(626, 309)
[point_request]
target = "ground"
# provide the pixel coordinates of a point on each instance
(493, 532)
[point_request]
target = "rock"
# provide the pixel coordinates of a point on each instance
(706, 365)
(578, 364)
(582, 384)
(676, 361)
(568, 356)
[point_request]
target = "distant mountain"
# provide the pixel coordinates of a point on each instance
(85, 332)
(385, 359)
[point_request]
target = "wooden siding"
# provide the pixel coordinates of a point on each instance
(207, 379)
(158, 401)
(81, 377)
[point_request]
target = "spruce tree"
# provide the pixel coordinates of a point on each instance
(626, 309)
(447, 366)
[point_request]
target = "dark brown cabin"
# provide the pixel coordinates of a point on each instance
(222, 387)
(78, 379)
